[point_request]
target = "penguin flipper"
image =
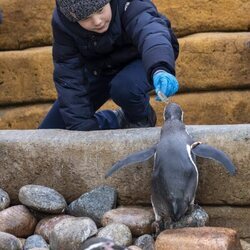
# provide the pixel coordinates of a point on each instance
(206, 151)
(131, 159)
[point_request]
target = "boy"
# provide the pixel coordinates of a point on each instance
(109, 49)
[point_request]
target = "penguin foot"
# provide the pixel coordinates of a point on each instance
(158, 227)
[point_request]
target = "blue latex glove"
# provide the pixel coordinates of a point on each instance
(166, 83)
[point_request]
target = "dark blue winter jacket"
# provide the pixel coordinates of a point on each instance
(136, 31)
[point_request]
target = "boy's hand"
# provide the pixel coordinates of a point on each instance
(165, 83)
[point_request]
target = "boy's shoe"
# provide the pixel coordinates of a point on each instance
(150, 121)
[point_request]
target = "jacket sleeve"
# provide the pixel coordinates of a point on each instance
(68, 76)
(152, 35)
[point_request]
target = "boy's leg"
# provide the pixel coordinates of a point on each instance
(53, 119)
(98, 95)
(129, 90)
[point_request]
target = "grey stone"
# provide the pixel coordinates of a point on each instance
(76, 162)
(196, 217)
(145, 242)
(119, 233)
(70, 233)
(94, 204)
(9, 242)
(4, 199)
(35, 241)
(42, 198)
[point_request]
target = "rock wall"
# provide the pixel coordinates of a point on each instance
(213, 66)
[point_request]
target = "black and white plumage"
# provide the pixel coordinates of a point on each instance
(101, 244)
(175, 174)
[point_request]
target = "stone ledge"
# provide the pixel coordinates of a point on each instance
(207, 62)
(193, 16)
(75, 162)
(27, 23)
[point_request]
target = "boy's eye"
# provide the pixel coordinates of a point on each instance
(99, 11)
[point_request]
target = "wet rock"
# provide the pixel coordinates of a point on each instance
(245, 245)
(70, 233)
(94, 203)
(119, 233)
(145, 242)
(42, 198)
(46, 225)
(138, 219)
(35, 241)
(4, 199)
(196, 217)
(17, 220)
(9, 242)
(209, 238)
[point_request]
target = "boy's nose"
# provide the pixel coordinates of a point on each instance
(96, 20)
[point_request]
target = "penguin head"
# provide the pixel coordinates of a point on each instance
(100, 244)
(173, 111)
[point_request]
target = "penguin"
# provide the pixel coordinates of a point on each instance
(175, 174)
(100, 244)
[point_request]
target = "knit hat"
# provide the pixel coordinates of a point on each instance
(76, 10)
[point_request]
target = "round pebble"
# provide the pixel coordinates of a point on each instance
(71, 233)
(145, 242)
(4, 199)
(46, 225)
(18, 221)
(35, 241)
(9, 242)
(42, 199)
(119, 233)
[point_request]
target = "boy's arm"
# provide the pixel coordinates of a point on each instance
(73, 98)
(152, 35)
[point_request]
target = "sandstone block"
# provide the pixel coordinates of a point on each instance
(220, 107)
(194, 16)
(26, 23)
(76, 162)
(209, 238)
(26, 76)
(209, 61)
(24, 117)
(237, 218)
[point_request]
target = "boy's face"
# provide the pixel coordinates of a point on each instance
(99, 21)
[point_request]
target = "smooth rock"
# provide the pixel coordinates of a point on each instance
(138, 219)
(245, 245)
(209, 238)
(42, 198)
(17, 220)
(46, 225)
(70, 233)
(195, 217)
(145, 242)
(94, 204)
(119, 233)
(4, 199)
(9, 242)
(35, 241)
(237, 218)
